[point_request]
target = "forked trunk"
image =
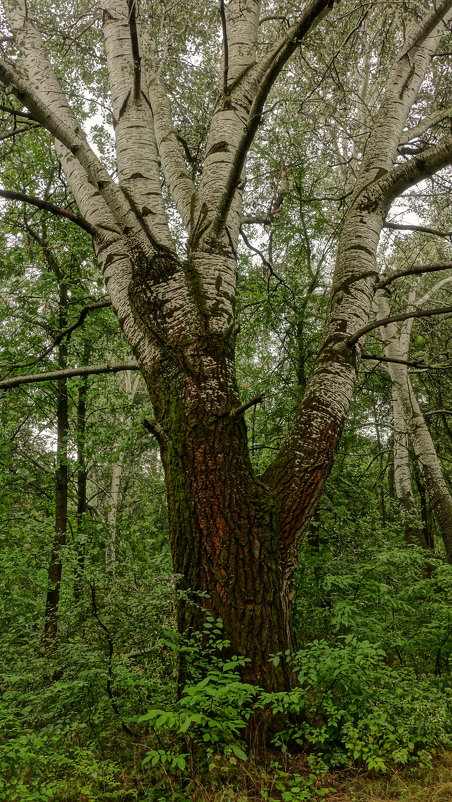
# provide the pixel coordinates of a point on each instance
(223, 519)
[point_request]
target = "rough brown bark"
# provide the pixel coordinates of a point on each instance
(223, 519)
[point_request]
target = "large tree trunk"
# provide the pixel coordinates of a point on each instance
(223, 520)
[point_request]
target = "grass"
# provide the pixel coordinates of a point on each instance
(433, 784)
(429, 784)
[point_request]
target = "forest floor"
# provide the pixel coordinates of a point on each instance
(428, 784)
(433, 784)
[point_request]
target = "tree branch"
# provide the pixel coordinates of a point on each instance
(423, 365)
(49, 207)
(66, 332)
(267, 72)
(85, 370)
(225, 49)
(247, 405)
(17, 112)
(443, 310)
(422, 127)
(16, 131)
(412, 271)
(414, 170)
(423, 229)
(74, 140)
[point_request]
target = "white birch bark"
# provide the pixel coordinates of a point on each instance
(409, 512)
(303, 464)
(407, 403)
(136, 147)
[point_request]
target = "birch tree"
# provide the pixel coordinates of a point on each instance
(409, 421)
(234, 535)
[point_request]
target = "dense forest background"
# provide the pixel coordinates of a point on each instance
(91, 705)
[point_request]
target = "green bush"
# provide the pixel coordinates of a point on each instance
(352, 707)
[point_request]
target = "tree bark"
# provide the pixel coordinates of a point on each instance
(82, 477)
(61, 487)
(409, 512)
(424, 449)
(223, 519)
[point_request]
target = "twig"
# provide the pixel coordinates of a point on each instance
(243, 407)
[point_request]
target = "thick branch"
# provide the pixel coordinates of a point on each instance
(85, 370)
(49, 207)
(268, 71)
(173, 164)
(422, 127)
(73, 139)
(416, 169)
(442, 310)
(412, 271)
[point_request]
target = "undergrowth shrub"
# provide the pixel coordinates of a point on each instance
(351, 707)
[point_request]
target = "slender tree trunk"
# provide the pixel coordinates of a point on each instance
(428, 522)
(409, 512)
(435, 484)
(115, 484)
(61, 487)
(82, 477)
(112, 514)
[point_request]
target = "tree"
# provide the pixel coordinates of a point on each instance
(408, 419)
(235, 536)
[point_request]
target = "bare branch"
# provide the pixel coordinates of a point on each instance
(17, 112)
(16, 131)
(49, 207)
(423, 229)
(443, 310)
(409, 364)
(412, 271)
(85, 370)
(247, 405)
